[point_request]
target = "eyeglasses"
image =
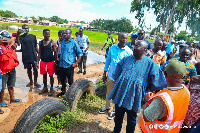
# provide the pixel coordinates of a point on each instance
(140, 33)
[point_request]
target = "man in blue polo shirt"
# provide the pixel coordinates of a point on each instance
(69, 51)
(116, 53)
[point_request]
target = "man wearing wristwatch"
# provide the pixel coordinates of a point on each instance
(116, 53)
(69, 51)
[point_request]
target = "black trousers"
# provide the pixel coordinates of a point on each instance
(83, 62)
(66, 73)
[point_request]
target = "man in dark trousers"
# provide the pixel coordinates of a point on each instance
(29, 53)
(108, 43)
(47, 54)
(69, 52)
(84, 44)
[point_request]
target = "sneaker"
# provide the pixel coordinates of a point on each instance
(60, 94)
(79, 72)
(51, 92)
(103, 111)
(45, 89)
(37, 85)
(84, 72)
(111, 115)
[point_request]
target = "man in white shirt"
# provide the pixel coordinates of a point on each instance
(84, 44)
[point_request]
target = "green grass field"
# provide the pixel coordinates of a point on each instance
(96, 38)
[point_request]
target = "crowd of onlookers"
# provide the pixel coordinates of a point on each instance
(160, 79)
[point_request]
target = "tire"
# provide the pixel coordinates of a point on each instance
(100, 91)
(76, 90)
(35, 113)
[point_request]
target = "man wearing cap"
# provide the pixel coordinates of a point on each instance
(134, 37)
(8, 62)
(165, 111)
(141, 35)
(108, 43)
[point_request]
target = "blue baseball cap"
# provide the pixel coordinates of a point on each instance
(134, 34)
(109, 33)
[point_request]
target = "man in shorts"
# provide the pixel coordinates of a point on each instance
(47, 54)
(29, 53)
(8, 62)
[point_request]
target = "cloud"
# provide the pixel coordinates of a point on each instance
(109, 4)
(123, 1)
(68, 9)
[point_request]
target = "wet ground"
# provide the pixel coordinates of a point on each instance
(30, 95)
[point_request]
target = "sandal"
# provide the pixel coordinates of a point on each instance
(4, 104)
(16, 101)
(29, 84)
(1, 111)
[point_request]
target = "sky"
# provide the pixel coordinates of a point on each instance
(82, 10)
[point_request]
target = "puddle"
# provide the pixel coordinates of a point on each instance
(15, 28)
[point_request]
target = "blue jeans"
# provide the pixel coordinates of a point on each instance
(196, 127)
(131, 119)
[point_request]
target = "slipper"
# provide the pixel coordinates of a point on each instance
(16, 101)
(4, 104)
(1, 111)
(29, 84)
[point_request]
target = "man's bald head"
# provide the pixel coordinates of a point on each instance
(142, 43)
(158, 45)
(140, 49)
(122, 34)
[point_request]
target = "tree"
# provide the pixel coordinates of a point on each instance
(167, 11)
(41, 18)
(183, 35)
(82, 22)
(8, 14)
(33, 18)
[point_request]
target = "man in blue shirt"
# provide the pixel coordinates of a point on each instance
(134, 76)
(134, 38)
(116, 53)
(69, 51)
(171, 49)
(141, 35)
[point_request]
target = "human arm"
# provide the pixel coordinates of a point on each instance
(76, 62)
(39, 55)
(103, 46)
(17, 37)
(79, 53)
(88, 44)
(157, 78)
(155, 110)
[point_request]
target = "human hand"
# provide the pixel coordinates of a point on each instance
(74, 65)
(147, 96)
(86, 49)
(37, 66)
(104, 78)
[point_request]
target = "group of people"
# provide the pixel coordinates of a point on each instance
(59, 57)
(141, 74)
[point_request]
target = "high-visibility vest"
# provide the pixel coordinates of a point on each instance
(176, 102)
(109, 42)
(8, 60)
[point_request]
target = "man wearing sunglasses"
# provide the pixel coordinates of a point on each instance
(141, 35)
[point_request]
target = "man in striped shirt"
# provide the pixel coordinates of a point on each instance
(134, 76)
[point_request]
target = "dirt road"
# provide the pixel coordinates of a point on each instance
(100, 123)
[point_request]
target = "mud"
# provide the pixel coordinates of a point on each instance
(99, 123)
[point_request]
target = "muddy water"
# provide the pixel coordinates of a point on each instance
(30, 94)
(15, 28)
